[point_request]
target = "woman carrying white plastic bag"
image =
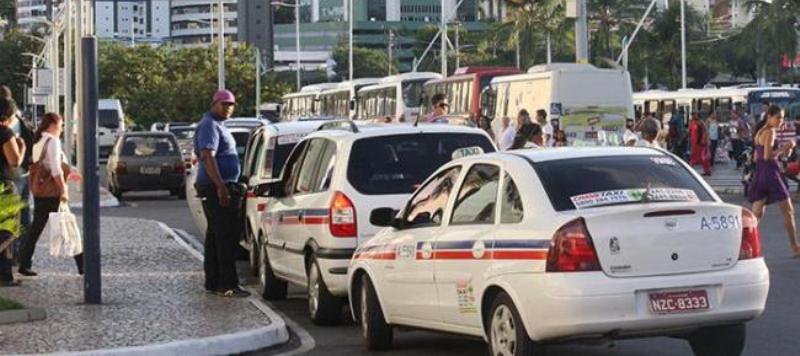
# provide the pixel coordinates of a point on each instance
(47, 181)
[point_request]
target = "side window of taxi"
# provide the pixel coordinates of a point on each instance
(477, 197)
(427, 207)
(317, 165)
(511, 210)
(292, 168)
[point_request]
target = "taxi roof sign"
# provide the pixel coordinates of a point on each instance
(467, 151)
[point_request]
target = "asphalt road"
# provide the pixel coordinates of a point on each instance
(772, 334)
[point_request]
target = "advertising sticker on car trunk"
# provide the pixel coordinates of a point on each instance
(621, 196)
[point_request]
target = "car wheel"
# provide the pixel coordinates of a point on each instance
(725, 340)
(253, 253)
(507, 334)
(323, 307)
(377, 333)
(274, 288)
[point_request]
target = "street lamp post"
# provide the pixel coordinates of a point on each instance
(221, 65)
(683, 45)
(350, 50)
(296, 7)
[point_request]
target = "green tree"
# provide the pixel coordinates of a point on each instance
(8, 11)
(613, 19)
(772, 33)
(367, 62)
(14, 67)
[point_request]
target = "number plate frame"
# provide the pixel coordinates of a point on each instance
(150, 171)
(678, 302)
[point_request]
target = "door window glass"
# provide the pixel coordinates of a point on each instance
(478, 196)
(511, 210)
(427, 207)
(309, 167)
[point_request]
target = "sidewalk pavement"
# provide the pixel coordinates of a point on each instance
(727, 179)
(153, 302)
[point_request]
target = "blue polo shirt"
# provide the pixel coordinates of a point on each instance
(211, 134)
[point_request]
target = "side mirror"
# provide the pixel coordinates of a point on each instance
(383, 217)
(262, 190)
(272, 189)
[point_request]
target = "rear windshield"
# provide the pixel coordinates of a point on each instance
(148, 146)
(603, 181)
(397, 164)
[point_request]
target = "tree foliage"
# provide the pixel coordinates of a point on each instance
(160, 84)
(367, 62)
(14, 67)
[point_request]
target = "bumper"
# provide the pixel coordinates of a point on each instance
(593, 305)
(136, 182)
(334, 273)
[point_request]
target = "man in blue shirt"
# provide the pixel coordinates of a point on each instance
(217, 176)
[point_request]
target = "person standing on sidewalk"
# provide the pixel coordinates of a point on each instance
(713, 136)
(50, 159)
(767, 185)
(217, 179)
(23, 130)
(12, 153)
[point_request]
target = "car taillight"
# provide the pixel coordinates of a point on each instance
(180, 169)
(751, 241)
(342, 219)
(572, 250)
(122, 168)
(250, 194)
(261, 207)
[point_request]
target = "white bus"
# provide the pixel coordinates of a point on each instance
(724, 100)
(589, 104)
(302, 104)
(340, 102)
(395, 98)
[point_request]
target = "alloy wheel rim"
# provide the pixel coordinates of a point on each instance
(313, 290)
(503, 332)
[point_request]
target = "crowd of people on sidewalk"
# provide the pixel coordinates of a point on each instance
(33, 173)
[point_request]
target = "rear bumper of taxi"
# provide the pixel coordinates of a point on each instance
(591, 305)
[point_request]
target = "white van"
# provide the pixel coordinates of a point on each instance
(396, 98)
(589, 104)
(110, 124)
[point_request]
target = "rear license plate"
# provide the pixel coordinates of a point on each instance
(150, 170)
(678, 302)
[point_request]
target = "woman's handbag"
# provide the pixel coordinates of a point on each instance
(41, 181)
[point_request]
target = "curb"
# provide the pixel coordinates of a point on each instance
(22, 315)
(274, 334)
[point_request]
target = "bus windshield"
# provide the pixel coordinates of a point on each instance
(780, 97)
(412, 92)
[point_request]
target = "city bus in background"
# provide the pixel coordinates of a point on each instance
(463, 91)
(745, 99)
(341, 102)
(395, 98)
(110, 125)
(588, 103)
(302, 104)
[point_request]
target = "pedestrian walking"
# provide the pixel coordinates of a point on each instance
(12, 153)
(507, 134)
(48, 182)
(649, 128)
(438, 107)
(699, 143)
(217, 178)
(713, 136)
(767, 185)
(23, 129)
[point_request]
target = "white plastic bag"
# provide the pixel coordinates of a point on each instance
(62, 229)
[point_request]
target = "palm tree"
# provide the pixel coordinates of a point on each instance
(773, 31)
(527, 18)
(614, 16)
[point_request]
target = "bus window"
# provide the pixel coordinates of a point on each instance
(390, 103)
(488, 100)
(723, 109)
(667, 107)
(651, 106)
(412, 92)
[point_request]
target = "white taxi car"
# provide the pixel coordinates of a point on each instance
(528, 248)
(319, 211)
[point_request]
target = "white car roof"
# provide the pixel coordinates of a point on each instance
(366, 129)
(553, 154)
(294, 127)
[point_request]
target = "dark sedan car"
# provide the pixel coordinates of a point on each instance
(142, 161)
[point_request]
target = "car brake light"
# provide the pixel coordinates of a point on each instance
(572, 250)
(261, 207)
(122, 168)
(342, 219)
(751, 241)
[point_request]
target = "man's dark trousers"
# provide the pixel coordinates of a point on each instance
(221, 239)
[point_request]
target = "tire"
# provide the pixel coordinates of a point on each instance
(273, 288)
(506, 331)
(323, 307)
(253, 254)
(727, 340)
(377, 333)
